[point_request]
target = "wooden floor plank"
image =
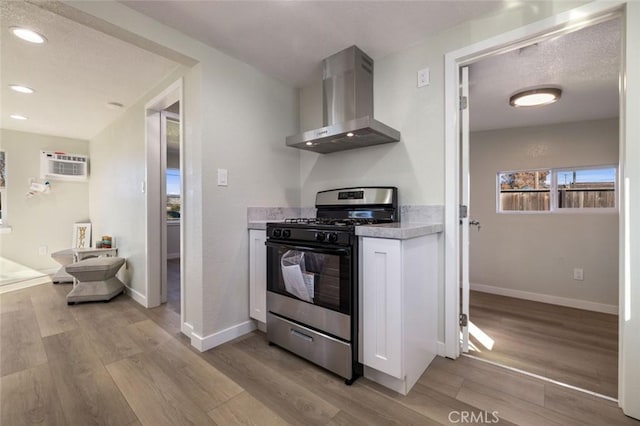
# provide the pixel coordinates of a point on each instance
(54, 316)
(154, 376)
(21, 346)
(199, 381)
(243, 409)
(87, 393)
(153, 394)
(29, 397)
(371, 407)
(570, 345)
(289, 399)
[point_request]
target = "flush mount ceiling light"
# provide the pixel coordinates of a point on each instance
(28, 35)
(18, 117)
(535, 97)
(20, 88)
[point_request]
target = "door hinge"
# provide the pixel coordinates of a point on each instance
(463, 211)
(463, 320)
(463, 102)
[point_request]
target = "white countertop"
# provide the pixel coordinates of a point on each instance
(396, 231)
(399, 230)
(261, 224)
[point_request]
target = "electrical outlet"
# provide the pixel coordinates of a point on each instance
(578, 274)
(423, 77)
(42, 250)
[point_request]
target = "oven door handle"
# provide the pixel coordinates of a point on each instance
(314, 249)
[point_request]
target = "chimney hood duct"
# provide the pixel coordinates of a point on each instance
(347, 107)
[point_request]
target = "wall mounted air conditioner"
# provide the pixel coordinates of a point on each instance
(63, 166)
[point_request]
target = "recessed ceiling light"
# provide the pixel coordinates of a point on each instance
(18, 117)
(350, 135)
(535, 97)
(28, 35)
(114, 105)
(21, 89)
(309, 143)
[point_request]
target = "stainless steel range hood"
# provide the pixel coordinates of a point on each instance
(347, 101)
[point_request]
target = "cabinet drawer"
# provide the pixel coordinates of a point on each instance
(326, 351)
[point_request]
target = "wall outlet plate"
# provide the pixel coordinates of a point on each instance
(423, 77)
(578, 274)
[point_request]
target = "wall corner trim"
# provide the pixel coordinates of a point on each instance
(218, 338)
(547, 298)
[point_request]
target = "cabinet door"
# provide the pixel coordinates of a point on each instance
(381, 286)
(258, 275)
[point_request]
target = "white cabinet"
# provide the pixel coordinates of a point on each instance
(398, 296)
(258, 275)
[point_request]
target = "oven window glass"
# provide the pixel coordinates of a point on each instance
(319, 278)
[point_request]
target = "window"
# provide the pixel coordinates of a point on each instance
(592, 188)
(525, 190)
(173, 194)
(557, 190)
(3, 188)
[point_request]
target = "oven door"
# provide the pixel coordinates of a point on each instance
(311, 285)
(317, 275)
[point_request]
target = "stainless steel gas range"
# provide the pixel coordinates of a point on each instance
(312, 277)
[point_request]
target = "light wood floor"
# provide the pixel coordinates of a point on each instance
(120, 364)
(572, 346)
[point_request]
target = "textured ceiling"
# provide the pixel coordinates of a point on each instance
(74, 74)
(289, 39)
(584, 63)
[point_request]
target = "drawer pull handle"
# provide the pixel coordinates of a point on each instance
(301, 335)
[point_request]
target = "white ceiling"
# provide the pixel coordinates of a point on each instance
(81, 69)
(74, 74)
(289, 39)
(584, 63)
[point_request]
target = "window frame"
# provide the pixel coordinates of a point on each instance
(553, 200)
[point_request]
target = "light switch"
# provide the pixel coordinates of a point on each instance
(222, 177)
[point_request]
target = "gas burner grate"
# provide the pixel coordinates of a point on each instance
(332, 221)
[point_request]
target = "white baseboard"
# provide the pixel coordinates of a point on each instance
(216, 339)
(187, 329)
(546, 298)
(441, 349)
(173, 256)
(49, 271)
(137, 296)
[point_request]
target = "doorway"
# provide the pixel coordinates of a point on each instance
(555, 26)
(170, 123)
(165, 146)
(543, 219)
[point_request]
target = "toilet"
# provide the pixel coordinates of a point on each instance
(64, 258)
(96, 280)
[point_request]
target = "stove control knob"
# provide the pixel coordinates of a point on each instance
(333, 237)
(277, 232)
(286, 233)
(320, 236)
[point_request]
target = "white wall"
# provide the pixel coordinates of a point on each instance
(46, 219)
(537, 252)
(416, 164)
(116, 201)
(234, 118)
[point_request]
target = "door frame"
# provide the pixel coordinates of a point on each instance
(550, 27)
(156, 229)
